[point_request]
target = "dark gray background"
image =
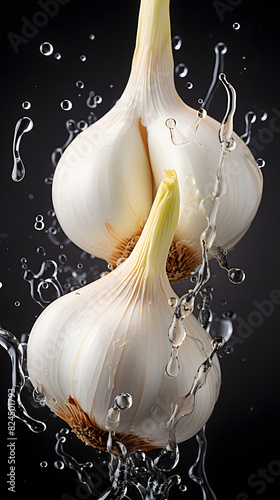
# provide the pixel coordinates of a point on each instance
(243, 432)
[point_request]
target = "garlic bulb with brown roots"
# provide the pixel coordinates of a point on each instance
(106, 180)
(111, 337)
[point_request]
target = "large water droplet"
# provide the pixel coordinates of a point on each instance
(66, 105)
(181, 70)
(177, 42)
(236, 275)
(46, 49)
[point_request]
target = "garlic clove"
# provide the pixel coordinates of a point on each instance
(102, 190)
(111, 337)
(133, 144)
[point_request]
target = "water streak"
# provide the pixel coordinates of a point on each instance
(45, 281)
(250, 118)
(197, 471)
(23, 125)
(220, 50)
(15, 406)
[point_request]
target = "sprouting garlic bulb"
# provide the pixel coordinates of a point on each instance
(105, 182)
(111, 337)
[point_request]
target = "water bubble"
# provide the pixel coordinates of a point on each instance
(83, 58)
(189, 85)
(236, 26)
(236, 275)
(26, 105)
(66, 105)
(44, 464)
(244, 359)
(200, 100)
(82, 125)
(181, 70)
(177, 42)
(260, 162)
(80, 84)
(57, 56)
(123, 401)
(41, 251)
(1, 284)
(263, 116)
(62, 258)
(93, 100)
(228, 349)
(46, 49)
(17, 303)
(221, 48)
(183, 488)
(80, 265)
(91, 36)
(170, 123)
(59, 465)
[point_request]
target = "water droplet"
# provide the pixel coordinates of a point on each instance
(41, 251)
(181, 70)
(244, 359)
(200, 100)
(44, 464)
(170, 123)
(82, 125)
(264, 116)
(80, 265)
(23, 125)
(260, 162)
(1, 284)
(62, 258)
(80, 84)
(236, 275)
(83, 58)
(236, 26)
(91, 36)
(59, 465)
(46, 49)
(228, 349)
(252, 408)
(26, 105)
(177, 42)
(39, 222)
(189, 85)
(183, 488)
(123, 401)
(93, 100)
(221, 48)
(57, 56)
(17, 303)
(66, 105)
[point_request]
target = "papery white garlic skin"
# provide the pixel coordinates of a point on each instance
(132, 144)
(111, 337)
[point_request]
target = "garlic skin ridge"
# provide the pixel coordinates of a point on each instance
(111, 337)
(106, 180)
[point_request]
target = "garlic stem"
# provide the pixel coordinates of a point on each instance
(154, 243)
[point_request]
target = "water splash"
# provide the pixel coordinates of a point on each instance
(235, 274)
(23, 125)
(250, 118)
(197, 471)
(179, 138)
(45, 279)
(220, 51)
(183, 407)
(15, 406)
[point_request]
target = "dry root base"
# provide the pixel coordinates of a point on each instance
(180, 262)
(91, 434)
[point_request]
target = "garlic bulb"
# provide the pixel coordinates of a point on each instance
(111, 337)
(105, 182)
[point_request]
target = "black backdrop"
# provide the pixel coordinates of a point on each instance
(243, 460)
